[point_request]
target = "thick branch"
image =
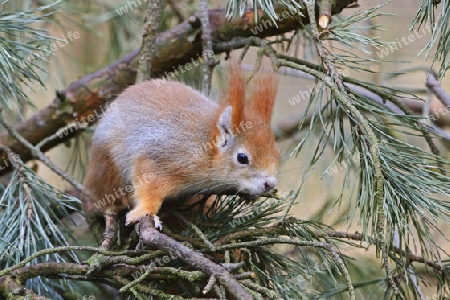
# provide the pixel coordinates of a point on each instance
(151, 236)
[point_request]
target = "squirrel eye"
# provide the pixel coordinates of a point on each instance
(242, 158)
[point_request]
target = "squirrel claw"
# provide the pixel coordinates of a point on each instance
(158, 223)
(132, 218)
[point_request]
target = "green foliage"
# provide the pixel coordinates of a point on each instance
(236, 8)
(414, 188)
(31, 218)
(23, 43)
(124, 20)
(426, 15)
(301, 274)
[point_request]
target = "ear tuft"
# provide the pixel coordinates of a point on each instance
(234, 93)
(264, 91)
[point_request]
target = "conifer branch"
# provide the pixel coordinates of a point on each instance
(44, 159)
(123, 263)
(374, 147)
(437, 90)
(196, 229)
(151, 236)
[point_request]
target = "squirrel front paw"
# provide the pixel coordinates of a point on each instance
(134, 216)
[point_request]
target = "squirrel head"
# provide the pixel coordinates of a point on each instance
(246, 154)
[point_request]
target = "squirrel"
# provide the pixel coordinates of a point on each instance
(163, 139)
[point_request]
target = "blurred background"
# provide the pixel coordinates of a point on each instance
(100, 42)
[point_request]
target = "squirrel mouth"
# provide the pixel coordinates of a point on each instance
(253, 197)
(248, 197)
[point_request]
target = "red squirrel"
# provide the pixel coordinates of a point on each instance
(163, 139)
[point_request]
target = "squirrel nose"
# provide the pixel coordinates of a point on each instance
(270, 183)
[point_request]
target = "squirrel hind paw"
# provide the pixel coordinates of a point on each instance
(132, 217)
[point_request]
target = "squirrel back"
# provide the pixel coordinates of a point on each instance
(164, 139)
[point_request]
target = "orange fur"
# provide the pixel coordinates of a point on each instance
(147, 140)
(151, 189)
(102, 180)
(264, 91)
(234, 94)
(258, 111)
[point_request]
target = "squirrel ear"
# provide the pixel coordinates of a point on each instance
(225, 138)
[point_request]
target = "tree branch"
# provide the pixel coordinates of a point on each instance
(151, 26)
(279, 230)
(151, 236)
(437, 90)
(208, 62)
(127, 264)
(35, 152)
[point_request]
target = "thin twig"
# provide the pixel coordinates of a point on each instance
(150, 32)
(148, 290)
(211, 283)
(233, 266)
(208, 63)
(68, 128)
(297, 242)
(196, 229)
(324, 13)
(137, 280)
(65, 249)
(14, 160)
(411, 274)
(110, 231)
(245, 275)
(39, 155)
(262, 290)
(176, 10)
(437, 90)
